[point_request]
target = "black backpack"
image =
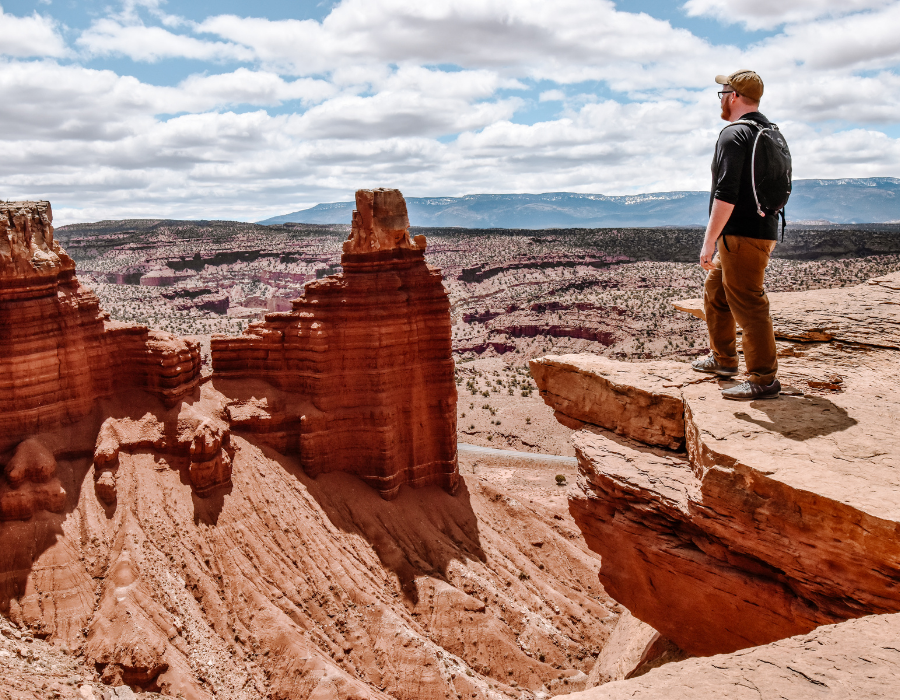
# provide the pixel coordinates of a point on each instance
(770, 161)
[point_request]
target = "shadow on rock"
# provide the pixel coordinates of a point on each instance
(417, 534)
(800, 417)
(37, 548)
(208, 508)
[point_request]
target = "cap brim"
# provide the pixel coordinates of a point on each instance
(722, 80)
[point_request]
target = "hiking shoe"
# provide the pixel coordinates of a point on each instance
(747, 391)
(711, 365)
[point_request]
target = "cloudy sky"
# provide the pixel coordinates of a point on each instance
(243, 110)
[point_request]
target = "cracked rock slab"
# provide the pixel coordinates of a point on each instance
(642, 402)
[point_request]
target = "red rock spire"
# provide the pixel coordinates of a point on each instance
(364, 358)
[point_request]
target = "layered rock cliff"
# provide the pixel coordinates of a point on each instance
(59, 353)
(776, 516)
(362, 363)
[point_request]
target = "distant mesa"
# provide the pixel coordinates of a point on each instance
(844, 201)
(362, 363)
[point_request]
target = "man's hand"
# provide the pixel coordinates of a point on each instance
(706, 254)
(718, 217)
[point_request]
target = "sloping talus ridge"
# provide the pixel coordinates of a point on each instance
(779, 516)
(848, 661)
(363, 362)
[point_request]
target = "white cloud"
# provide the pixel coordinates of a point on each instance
(142, 43)
(244, 86)
(862, 42)
(768, 14)
(425, 96)
(36, 35)
(565, 41)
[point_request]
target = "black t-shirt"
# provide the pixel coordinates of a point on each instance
(732, 181)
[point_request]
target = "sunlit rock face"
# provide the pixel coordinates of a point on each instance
(363, 360)
(59, 352)
(763, 519)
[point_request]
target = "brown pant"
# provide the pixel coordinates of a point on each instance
(734, 292)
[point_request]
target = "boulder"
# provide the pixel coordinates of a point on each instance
(30, 483)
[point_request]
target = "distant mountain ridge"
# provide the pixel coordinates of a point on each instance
(841, 201)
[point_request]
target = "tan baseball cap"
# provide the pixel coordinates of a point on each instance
(744, 82)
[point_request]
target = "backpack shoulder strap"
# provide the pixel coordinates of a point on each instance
(748, 122)
(759, 130)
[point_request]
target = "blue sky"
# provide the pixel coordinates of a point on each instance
(239, 110)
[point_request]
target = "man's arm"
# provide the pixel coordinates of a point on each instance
(718, 217)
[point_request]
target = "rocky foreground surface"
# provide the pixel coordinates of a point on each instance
(850, 661)
(727, 525)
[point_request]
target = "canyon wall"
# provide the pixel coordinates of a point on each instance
(362, 362)
(59, 353)
(154, 534)
(726, 525)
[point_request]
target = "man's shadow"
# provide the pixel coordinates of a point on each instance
(800, 417)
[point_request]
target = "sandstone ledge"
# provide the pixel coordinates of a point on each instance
(848, 661)
(781, 516)
(642, 402)
(865, 314)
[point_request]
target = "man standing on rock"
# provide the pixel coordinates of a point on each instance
(734, 286)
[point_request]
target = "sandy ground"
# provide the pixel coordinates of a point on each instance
(533, 482)
(503, 420)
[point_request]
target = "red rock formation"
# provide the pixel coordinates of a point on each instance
(31, 483)
(200, 443)
(59, 352)
(367, 354)
(278, 585)
(782, 515)
(283, 586)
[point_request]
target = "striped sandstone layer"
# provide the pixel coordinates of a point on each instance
(362, 363)
(59, 352)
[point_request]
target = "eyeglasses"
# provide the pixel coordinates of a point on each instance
(726, 92)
